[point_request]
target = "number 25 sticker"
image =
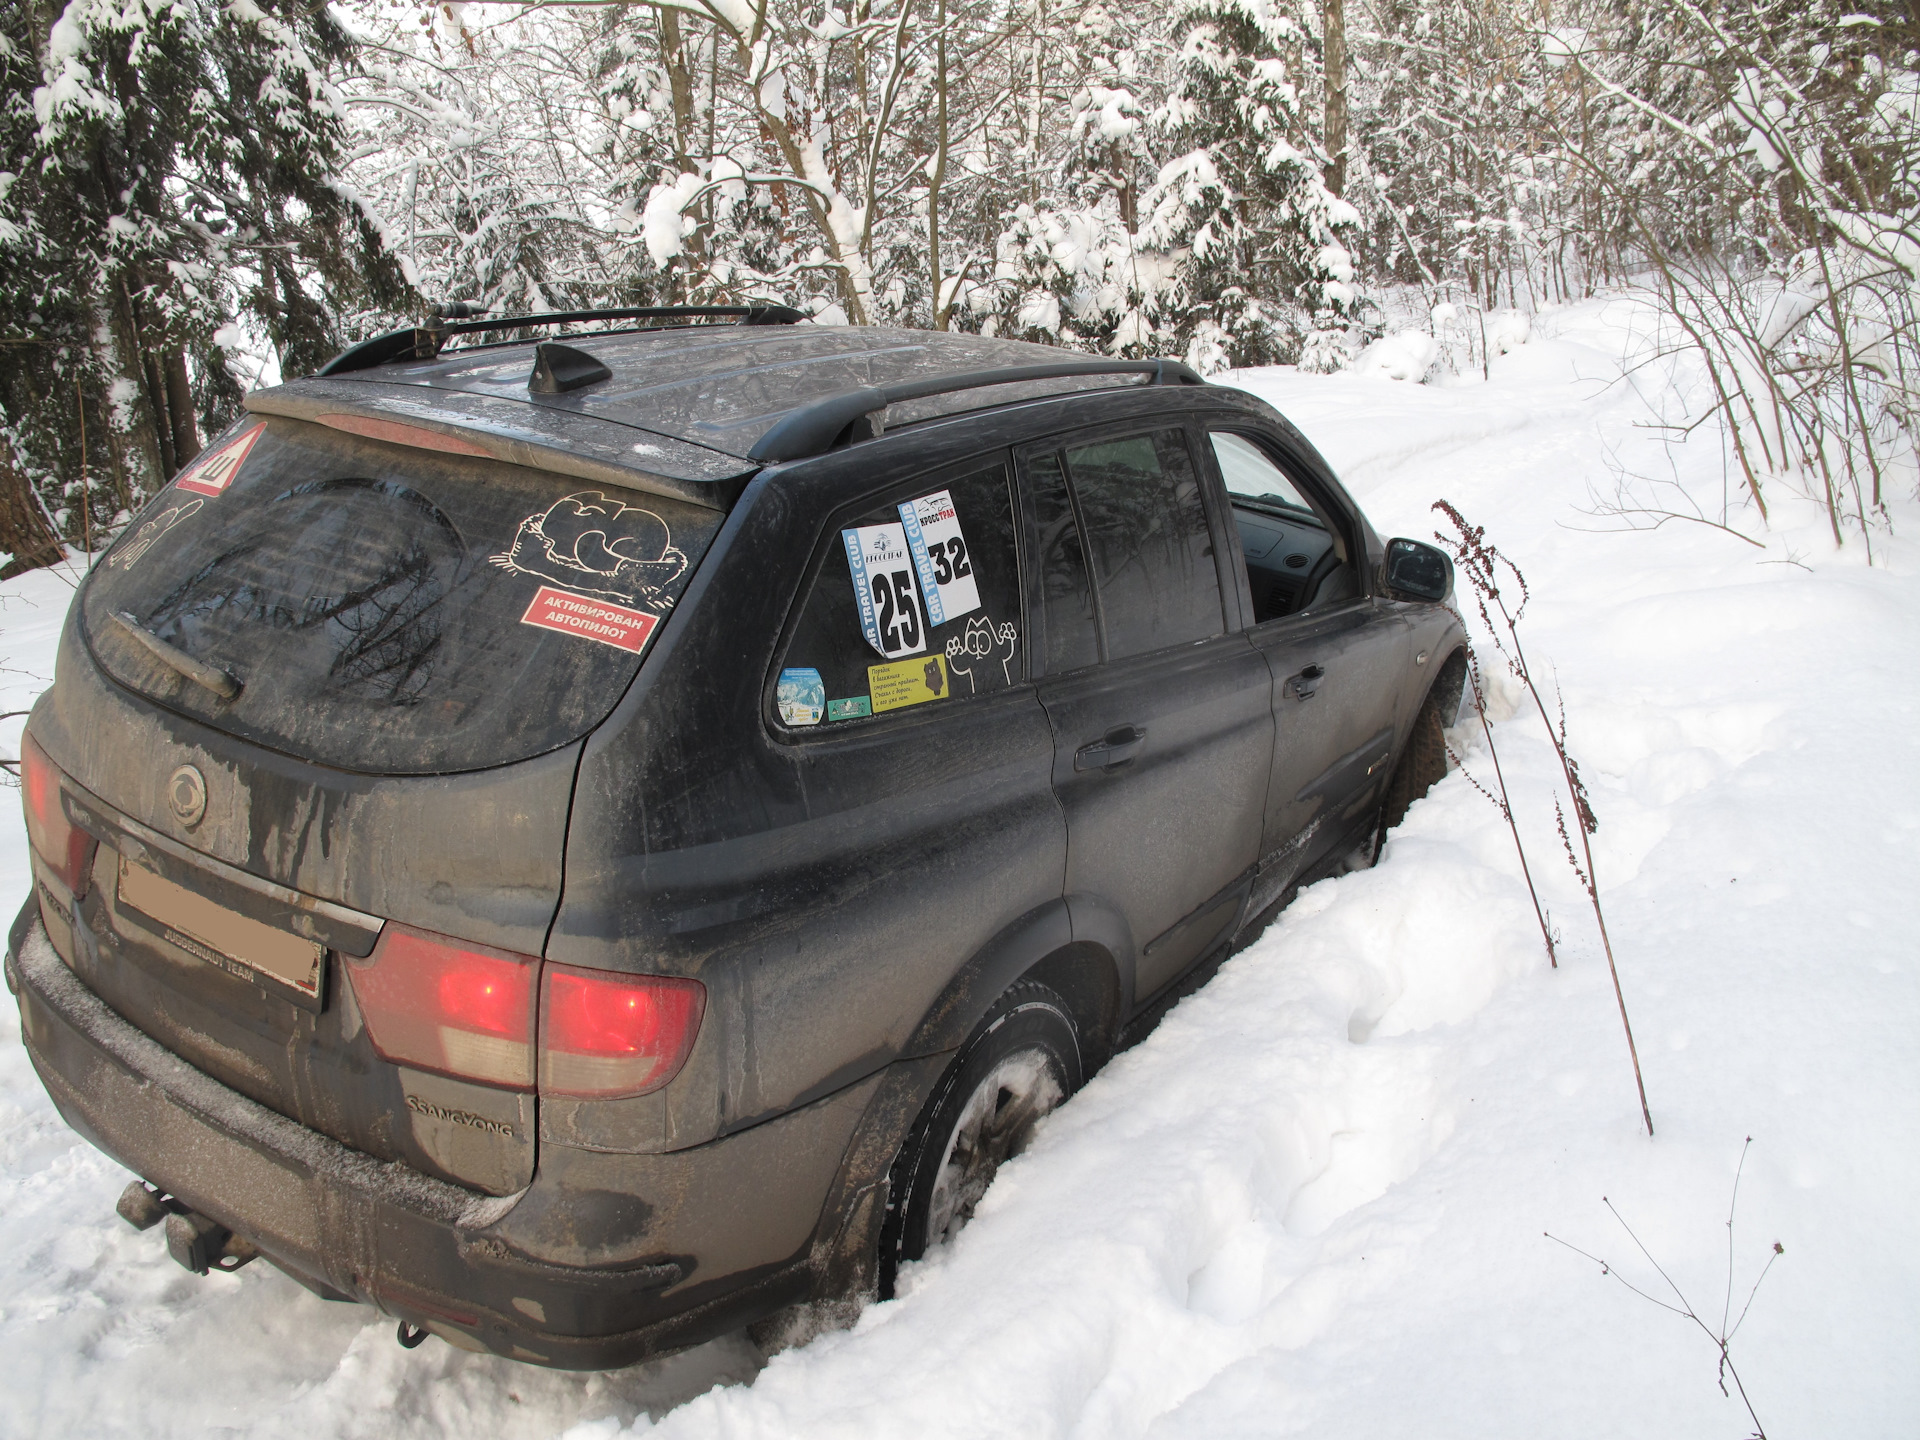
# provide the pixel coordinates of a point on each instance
(883, 587)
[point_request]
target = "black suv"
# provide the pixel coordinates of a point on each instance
(587, 845)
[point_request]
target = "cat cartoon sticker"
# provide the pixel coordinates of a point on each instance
(983, 646)
(591, 545)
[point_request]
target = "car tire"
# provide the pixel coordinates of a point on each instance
(1423, 765)
(1020, 1062)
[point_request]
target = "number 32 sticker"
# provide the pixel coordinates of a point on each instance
(940, 557)
(910, 577)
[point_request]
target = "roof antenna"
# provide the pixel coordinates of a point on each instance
(560, 368)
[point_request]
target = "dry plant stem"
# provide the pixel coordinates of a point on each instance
(1481, 562)
(1723, 1338)
(12, 767)
(1582, 813)
(1624, 507)
(1506, 806)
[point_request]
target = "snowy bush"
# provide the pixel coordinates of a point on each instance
(1403, 355)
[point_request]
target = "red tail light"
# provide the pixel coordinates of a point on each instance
(468, 1011)
(59, 842)
(445, 1005)
(604, 1034)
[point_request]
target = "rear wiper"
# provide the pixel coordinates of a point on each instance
(210, 676)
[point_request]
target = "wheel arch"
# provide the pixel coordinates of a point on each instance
(1039, 946)
(1449, 683)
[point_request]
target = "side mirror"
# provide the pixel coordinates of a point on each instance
(1414, 571)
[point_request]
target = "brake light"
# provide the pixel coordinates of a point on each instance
(396, 432)
(604, 1034)
(58, 841)
(444, 1005)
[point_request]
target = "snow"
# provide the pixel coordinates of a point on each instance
(1313, 1202)
(1403, 355)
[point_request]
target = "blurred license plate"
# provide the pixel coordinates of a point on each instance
(248, 948)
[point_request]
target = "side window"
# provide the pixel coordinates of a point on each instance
(1295, 557)
(1071, 629)
(1152, 555)
(915, 601)
(1250, 475)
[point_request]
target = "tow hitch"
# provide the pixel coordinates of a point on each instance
(196, 1241)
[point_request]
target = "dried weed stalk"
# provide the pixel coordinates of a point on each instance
(1486, 569)
(1722, 1338)
(1501, 803)
(10, 768)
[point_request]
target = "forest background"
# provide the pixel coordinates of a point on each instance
(200, 196)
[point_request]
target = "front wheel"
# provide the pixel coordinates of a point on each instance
(1424, 764)
(1021, 1061)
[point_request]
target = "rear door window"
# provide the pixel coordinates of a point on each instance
(1069, 626)
(1146, 527)
(914, 600)
(385, 609)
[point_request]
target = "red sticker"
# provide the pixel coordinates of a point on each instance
(613, 625)
(212, 473)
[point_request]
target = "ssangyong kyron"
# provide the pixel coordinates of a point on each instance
(586, 844)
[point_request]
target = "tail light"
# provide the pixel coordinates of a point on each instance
(468, 1011)
(58, 841)
(604, 1034)
(445, 1005)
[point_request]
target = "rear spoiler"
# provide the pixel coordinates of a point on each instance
(580, 447)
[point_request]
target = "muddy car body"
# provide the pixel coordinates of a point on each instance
(508, 850)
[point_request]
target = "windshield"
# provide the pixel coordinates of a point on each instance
(385, 609)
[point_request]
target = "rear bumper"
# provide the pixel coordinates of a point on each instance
(719, 1234)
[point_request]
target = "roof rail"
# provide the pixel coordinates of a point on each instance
(834, 421)
(424, 342)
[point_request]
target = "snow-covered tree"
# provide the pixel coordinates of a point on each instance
(499, 148)
(1267, 275)
(167, 191)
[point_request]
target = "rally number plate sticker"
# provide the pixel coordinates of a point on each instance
(884, 589)
(940, 557)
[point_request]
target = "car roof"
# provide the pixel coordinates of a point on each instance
(720, 387)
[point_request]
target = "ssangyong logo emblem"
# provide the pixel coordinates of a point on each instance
(187, 794)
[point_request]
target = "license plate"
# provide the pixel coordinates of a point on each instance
(248, 948)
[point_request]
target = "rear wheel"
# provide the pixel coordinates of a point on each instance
(1021, 1061)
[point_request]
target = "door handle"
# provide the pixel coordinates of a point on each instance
(1116, 747)
(1306, 682)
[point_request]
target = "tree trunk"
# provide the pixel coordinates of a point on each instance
(151, 428)
(1333, 38)
(936, 178)
(157, 402)
(186, 433)
(24, 533)
(680, 82)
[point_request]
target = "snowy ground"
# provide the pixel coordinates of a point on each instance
(1313, 1202)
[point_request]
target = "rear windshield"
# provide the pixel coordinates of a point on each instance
(385, 609)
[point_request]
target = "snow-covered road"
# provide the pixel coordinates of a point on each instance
(1313, 1201)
